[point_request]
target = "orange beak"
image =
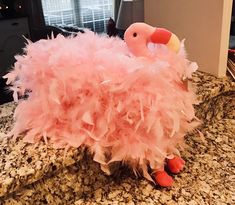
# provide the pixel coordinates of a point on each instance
(160, 35)
(163, 36)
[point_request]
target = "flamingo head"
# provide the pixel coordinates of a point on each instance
(138, 35)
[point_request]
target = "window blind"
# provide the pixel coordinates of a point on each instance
(92, 14)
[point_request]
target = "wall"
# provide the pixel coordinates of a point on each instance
(204, 24)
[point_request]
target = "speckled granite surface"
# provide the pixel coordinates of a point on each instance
(209, 86)
(208, 178)
(53, 177)
(22, 163)
(219, 107)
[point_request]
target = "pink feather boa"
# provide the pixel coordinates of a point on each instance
(90, 90)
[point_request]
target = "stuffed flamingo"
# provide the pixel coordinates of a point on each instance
(122, 100)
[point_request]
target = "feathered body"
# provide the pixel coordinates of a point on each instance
(90, 90)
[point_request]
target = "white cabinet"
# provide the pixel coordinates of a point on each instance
(11, 41)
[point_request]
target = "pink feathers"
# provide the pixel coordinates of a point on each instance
(90, 90)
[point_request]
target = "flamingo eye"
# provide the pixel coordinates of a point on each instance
(134, 34)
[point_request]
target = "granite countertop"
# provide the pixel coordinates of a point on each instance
(208, 86)
(23, 163)
(39, 174)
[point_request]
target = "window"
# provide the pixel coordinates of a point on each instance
(92, 14)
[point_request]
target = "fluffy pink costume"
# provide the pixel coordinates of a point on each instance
(123, 101)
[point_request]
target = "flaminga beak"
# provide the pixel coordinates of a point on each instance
(163, 36)
(160, 35)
